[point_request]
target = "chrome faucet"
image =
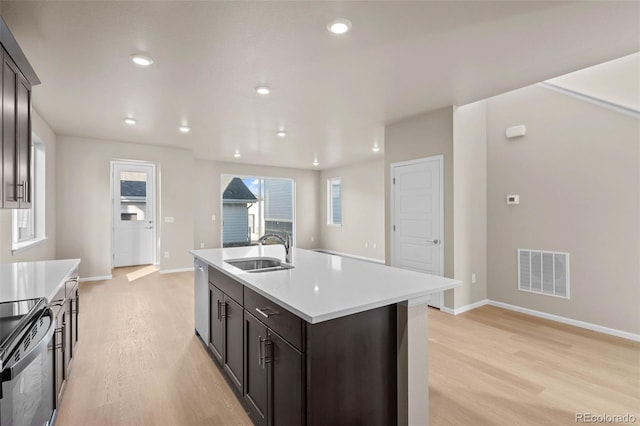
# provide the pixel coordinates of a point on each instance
(286, 242)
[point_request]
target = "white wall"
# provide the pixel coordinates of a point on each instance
(362, 210)
(208, 200)
(422, 136)
(84, 205)
(470, 202)
(46, 249)
(576, 172)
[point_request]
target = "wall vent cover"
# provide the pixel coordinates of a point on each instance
(544, 272)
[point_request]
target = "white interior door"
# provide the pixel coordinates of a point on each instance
(133, 213)
(417, 217)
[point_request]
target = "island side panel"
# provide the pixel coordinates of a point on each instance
(351, 369)
(413, 372)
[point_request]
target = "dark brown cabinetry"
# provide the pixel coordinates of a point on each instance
(65, 307)
(225, 328)
(58, 356)
(17, 79)
(274, 379)
(291, 372)
(216, 327)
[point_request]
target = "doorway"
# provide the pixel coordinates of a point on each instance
(133, 194)
(417, 212)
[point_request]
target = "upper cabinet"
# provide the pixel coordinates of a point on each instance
(17, 79)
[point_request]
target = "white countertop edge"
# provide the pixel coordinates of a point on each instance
(418, 298)
(76, 263)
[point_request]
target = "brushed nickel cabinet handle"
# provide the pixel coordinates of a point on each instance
(266, 312)
(260, 357)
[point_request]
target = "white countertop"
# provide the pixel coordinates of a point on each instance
(322, 287)
(29, 280)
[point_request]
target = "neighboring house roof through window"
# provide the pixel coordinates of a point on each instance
(238, 192)
(133, 188)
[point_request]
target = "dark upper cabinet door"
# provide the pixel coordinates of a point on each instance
(286, 382)
(23, 145)
(216, 325)
(255, 369)
(9, 179)
(233, 345)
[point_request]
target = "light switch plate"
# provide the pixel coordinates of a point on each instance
(168, 219)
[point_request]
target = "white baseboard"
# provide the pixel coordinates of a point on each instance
(173, 271)
(102, 278)
(569, 321)
(539, 314)
(465, 308)
(353, 256)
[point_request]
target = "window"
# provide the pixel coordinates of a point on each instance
(334, 202)
(29, 224)
(254, 206)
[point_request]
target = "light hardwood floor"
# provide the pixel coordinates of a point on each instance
(139, 363)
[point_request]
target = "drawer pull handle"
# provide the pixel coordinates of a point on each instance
(260, 351)
(266, 312)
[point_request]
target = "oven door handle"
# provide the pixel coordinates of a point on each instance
(13, 371)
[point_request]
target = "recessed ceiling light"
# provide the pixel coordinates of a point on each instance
(263, 90)
(316, 163)
(184, 129)
(339, 26)
(281, 133)
(130, 121)
(236, 154)
(141, 60)
(375, 148)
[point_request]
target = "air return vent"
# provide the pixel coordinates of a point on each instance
(544, 272)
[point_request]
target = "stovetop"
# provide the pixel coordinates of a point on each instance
(14, 318)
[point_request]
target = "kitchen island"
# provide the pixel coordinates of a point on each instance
(331, 340)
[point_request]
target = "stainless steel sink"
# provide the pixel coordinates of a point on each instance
(259, 264)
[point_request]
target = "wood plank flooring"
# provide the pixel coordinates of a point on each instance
(139, 363)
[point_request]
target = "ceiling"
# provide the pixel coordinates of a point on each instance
(616, 82)
(332, 94)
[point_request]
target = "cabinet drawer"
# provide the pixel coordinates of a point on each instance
(283, 322)
(228, 285)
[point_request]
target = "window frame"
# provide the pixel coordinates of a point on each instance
(38, 202)
(262, 177)
(330, 205)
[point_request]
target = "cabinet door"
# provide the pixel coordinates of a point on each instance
(68, 345)
(233, 349)
(9, 135)
(286, 382)
(255, 371)
(216, 327)
(77, 314)
(58, 357)
(23, 142)
(74, 321)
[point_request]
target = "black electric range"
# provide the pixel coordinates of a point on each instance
(26, 363)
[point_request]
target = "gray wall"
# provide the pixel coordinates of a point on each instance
(47, 249)
(362, 230)
(577, 174)
(84, 206)
(422, 136)
(208, 204)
